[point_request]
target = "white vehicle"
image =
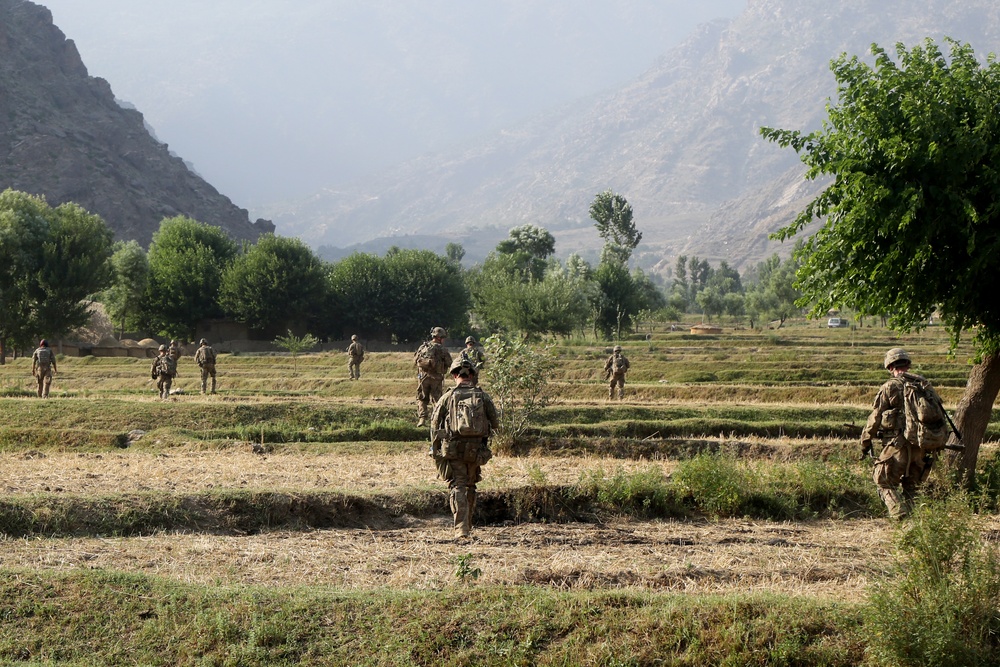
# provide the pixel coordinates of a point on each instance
(836, 322)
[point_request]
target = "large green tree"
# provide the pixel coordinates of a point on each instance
(186, 263)
(612, 215)
(52, 260)
(277, 281)
(130, 276)
(911, 220)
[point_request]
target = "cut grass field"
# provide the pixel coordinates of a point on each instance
(716, 516)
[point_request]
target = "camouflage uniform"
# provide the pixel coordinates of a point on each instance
(459, 460)
(900, 462)
(615, 369)
(43, 365)
(431, 377)
(474, 354)
(356, 354)
(163, 371)
(205, 357)
(175, 351)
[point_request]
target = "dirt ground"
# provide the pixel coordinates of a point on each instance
(829, 559)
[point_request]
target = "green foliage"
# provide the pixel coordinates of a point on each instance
(910, 220)
(612, 215)
(772, 294)
(528, 247)
(123, 299)
(278, 280)
(517, 376)
(398, 295)
(939, 604)
(186, 263)
(296, 345)
(466, 567)
(53, 260)
(717, 484)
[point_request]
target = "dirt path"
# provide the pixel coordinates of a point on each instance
(832, 559)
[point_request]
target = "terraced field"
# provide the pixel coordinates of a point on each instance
(171, 525)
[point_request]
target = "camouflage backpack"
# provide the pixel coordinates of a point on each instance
(926, 422)
(44, 358)
(424, 358)
(168, 365)
(467, 413)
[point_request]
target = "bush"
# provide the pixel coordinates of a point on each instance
(940, 604)
(517, 377)
(714, 483)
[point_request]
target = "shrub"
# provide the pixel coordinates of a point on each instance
(518, 377)
(715, 483)
(940, 604)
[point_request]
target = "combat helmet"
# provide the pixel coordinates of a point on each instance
(354, 336)
(894, 355)
(470, 339)
(203, 342)
(162, 348)
(462, 367)
(438, 332)
(617, 348)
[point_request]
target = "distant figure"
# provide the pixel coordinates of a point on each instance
(474, 353)
(464, 417)
(175, 350)
(43, 365)
(910, 422)
(432, 361)
(163, 371)
(615, 369)
(355, 354)
(205, 356)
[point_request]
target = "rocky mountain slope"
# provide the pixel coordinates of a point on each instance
(681, 142)
(63, 135)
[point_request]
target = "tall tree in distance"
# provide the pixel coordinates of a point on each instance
(911, 222)
(612, 215)
(130, 276)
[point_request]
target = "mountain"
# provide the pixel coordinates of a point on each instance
(680, 142)
(64, 136)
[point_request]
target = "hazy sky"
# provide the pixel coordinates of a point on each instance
(276, 99)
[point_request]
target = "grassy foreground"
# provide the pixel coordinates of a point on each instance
(104, 618)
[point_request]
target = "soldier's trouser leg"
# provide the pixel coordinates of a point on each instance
(46, 383)
(462, 496)
(888, 473)
(204, 379)
(213, 381)
(611, 390)
(621, 388)
(38, 378)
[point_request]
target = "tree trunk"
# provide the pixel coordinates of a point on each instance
(973, 415)
(3, 352)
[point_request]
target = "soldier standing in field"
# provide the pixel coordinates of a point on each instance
(43, 365)
(475, 354)
(463, 419)
(910, 421)
(355, 354)
(175, 350)
(432, 361)
(615, 369)
(163, 371)
(205, 357)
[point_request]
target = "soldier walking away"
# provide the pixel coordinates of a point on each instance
(355, 354)
(475, 354)
(43, 365)
(615, 369)
(205, 356)
(163, 371)
(463, 419)
(432, 361)
(909, 420)
(175, 350)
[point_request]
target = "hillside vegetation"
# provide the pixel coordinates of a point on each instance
(717, 515)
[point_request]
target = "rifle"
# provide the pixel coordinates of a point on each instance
(958, 434)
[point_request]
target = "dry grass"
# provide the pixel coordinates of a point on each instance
(823, 559)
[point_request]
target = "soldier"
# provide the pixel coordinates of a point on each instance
(615, 369)
(43, 365)
(432, 361)
(903, 460)
(163, 371)
(205, 356)
(355, 354)
(463, 419)
(175, 350)
(474, 353)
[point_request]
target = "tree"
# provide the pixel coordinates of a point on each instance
(529, 246)
(518, 377)
(130, 276)
(277, 281)
(186, 263)
(51, 263)
(911, 221)
(423, 290)
(454, 252)
(612, 215)
(296, 345)
(356, 288)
